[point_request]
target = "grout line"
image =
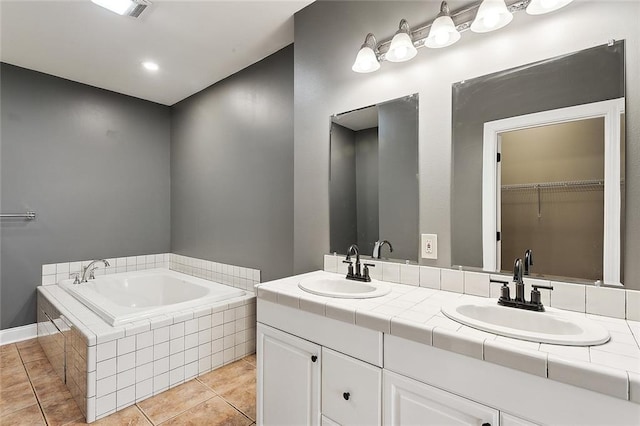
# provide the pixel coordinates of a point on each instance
(143, 413)
(32, 386)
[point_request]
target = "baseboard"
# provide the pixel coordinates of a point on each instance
(18, 334)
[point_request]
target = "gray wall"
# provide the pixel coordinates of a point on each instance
(367, 165)
(93, 164)
(588, 76)
(327, 37)
(343, 191)
(398, 151)
(232, 169)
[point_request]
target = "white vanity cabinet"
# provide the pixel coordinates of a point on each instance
(288, 382)
(410, 402)
(350, 390)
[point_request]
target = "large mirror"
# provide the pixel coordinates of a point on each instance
(373, 179)
(538, 163)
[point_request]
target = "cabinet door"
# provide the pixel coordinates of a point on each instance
(288, 382)
(409, 402)
(351, 390)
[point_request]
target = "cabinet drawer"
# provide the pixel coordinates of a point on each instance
(351, 390)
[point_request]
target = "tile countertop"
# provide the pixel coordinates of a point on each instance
(414, 313)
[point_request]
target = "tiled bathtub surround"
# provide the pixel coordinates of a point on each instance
(604, 301)
(235, 276)
(413, 312)
(126, 364)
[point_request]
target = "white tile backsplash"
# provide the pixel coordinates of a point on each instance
(605, 301)
(571, 297)
(452, 280)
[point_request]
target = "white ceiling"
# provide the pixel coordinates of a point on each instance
(195, 43)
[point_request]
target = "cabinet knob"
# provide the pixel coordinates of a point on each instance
(486, 424)
(346, 396)
(314, 358)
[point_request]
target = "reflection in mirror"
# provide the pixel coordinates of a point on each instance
(551, 198)
(373, 184)
(531, 191)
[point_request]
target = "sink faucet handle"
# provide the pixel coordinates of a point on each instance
(504, 290)
(535, 294)
(75, 276)
(350, 270)
(546, 287)
(365, 271)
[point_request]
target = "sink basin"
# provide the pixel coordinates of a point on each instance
(339, 286)
(551, 326)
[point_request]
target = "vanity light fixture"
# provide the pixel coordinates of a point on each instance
(401, 48)
(481, 16)
(492, 15)
(539, 7)
(124, 7)
(443, 31)
(367, 59)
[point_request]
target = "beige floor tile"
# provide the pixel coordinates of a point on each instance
(49, 388)
(59, 411)
(251, 359)
(10, 357)
(31, 352)
(14, 375)
(30, 415)
(16, 397)
(175, 401)
(39, 368)
(130, 416)
(236, 383)
(213, 412)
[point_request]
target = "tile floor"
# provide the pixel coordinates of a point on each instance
(32, 394)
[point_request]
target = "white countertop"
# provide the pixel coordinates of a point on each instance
(413, 313)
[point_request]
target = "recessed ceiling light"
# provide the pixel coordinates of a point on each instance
(150, 66)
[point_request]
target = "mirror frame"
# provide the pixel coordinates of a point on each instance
(611, 111)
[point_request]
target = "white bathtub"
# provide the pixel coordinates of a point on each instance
(131, 296)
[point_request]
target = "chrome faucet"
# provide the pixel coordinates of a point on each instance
(377, 248)
(89, 269)
(528, 260)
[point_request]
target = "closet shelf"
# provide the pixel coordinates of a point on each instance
(576, 184)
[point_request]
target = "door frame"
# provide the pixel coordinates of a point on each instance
(610, 110)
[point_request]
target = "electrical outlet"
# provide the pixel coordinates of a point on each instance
(429, 246)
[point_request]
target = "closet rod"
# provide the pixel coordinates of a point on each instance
(565, 184)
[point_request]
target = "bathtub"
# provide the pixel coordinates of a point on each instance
(131, 296)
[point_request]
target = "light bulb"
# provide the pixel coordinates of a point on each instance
(538, 7)
(401, 48)
(366, 60)
(491, 15)
(441, 38)
(491, 20)
(443, 31)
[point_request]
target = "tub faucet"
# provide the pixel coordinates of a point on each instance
(89, 269)
(377, 248)
(528, 261)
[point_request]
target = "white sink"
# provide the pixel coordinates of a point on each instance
(551, 326)
(339, 286)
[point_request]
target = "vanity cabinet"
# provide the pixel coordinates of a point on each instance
(410, 402)
(350, 390)
(288, 381)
